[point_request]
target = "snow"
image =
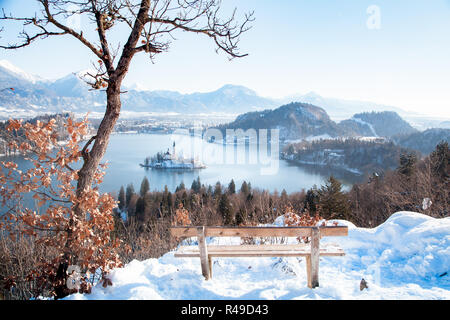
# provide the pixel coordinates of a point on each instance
(319, 137)
(18, 72)
(312, 138)
(407, 257)
(360, 121)
(375, 139)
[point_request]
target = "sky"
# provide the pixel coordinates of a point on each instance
(392, 52)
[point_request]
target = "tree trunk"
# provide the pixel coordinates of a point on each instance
(91, 162)
(113, 104)
(86, 177)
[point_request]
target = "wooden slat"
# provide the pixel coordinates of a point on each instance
(188, 254)
(259, 251)
(262, 247)
(258, 231)
(333, 231)
(312, 252)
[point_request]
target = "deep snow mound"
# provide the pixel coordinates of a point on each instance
(407, 257)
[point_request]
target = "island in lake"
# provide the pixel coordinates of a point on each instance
(169, 160)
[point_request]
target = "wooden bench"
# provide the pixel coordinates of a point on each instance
(311, 251)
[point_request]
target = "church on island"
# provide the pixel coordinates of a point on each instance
(170, 160)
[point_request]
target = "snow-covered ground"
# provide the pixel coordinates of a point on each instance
(407, 257)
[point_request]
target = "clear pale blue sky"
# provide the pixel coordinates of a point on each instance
(295, 46)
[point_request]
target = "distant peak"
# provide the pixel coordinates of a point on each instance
(235, 88)
(18, 72)
(137, 87)
(82, 76)
(312, 93)
(231, 86)
(6, 64)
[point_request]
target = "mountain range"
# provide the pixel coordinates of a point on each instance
(298, 120)
(340, 109)
(31, 96)
(34, 95)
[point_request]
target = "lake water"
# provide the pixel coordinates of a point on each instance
(126, 151)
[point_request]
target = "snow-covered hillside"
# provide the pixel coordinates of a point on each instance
(407, 257)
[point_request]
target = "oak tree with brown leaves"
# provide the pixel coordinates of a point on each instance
(50, 181)
(152, 25)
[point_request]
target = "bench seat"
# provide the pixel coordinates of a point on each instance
(283, 250)
(311, 251)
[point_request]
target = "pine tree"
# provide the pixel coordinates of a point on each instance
(140, 208)
(180, 187)
(145, 187)
(217, 190)
(121, 198)
(312, 199)
(333, 202)
(226, 210)
(244, 188)
(232, 187)
(196, 185)
(407, 164)
(129, 193)
(440, 160)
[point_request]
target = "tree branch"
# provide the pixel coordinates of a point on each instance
(79, 36)
(84, 152)
(28, 39)
(107, 57)
(130, 47)
(202, 17)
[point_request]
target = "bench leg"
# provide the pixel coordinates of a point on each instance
(315, 254)
(308, 271)
(203, 253)
(210, 266)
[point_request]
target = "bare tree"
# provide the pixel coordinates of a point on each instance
(152, 24)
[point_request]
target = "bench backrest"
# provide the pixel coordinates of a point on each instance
(258, 231)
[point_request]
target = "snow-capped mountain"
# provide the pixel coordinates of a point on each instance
(33, 95)
(74, 85)
(8, 69)
(228, 99)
